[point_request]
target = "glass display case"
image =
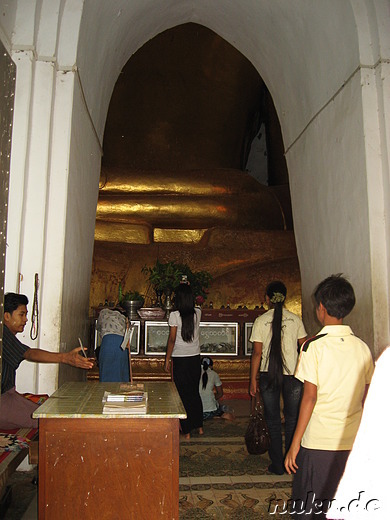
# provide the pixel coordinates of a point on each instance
(156, 337)
(218, 339)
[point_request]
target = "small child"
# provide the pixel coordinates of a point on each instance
(210, 381)
(336, 368)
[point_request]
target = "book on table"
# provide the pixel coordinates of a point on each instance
(124, 397)
(125, 402)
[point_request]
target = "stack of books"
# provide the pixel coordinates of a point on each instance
(127, 402)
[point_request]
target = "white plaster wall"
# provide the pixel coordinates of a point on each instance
(328, 186)
(367, 219)
(257, 165)
(377, 171)
(17, 24)
(24, 73)
(384, 119)
(26, 250)
(53, 268)
(83, 189)
(7, 22)
(39, 170)
(376, 103)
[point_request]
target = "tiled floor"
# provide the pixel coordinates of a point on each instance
(244, 496)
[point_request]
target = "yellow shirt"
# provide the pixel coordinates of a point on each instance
(340, 365)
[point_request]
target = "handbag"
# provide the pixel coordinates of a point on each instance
(257, 439)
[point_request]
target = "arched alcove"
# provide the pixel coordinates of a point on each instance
(174, 184)
(327, 69)
(294, 51)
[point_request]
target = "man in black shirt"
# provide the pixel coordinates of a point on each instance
(16, 410)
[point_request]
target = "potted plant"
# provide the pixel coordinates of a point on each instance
(131, 301)
(163, 277)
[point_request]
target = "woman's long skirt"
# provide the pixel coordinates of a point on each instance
(113, 361)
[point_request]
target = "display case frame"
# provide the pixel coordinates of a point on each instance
(248, 345)
(156, 338)
(157, 332)
(227, 331)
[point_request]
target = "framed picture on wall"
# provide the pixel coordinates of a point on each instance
(247, 334)
(156, 338)
(135, 339)
(218, 339)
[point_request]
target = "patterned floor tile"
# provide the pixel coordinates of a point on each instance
(223, 481)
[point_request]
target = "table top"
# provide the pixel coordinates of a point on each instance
(76, 400)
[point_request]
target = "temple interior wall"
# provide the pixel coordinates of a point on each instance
(322, 164)
(337, 146)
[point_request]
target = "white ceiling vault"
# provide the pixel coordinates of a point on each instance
(303, 51)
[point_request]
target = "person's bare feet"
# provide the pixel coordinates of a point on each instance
(187, 436)
(200, 431)
(228, 416)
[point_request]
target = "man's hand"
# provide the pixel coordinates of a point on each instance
(308, 402)
(74, 359)
(289, 461)
(167, 365)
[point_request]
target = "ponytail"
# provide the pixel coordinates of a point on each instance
(206, 363)
(185, 304)
(276, 291)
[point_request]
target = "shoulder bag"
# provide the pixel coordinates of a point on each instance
(257, 437)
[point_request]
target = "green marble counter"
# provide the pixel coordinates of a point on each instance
(84, 400)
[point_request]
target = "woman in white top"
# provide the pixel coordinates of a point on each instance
(275, 336)
(183, 348)
(211, 391)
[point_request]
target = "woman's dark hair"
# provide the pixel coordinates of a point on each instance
(13, 300)
(185, 304)
(276, 292)
(206, 363)
(337, 296)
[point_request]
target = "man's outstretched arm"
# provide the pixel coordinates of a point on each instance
(72, 358)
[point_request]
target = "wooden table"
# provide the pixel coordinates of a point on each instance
(108, 467)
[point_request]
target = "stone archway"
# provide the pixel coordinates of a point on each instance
(328, 72)
(313, 69)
